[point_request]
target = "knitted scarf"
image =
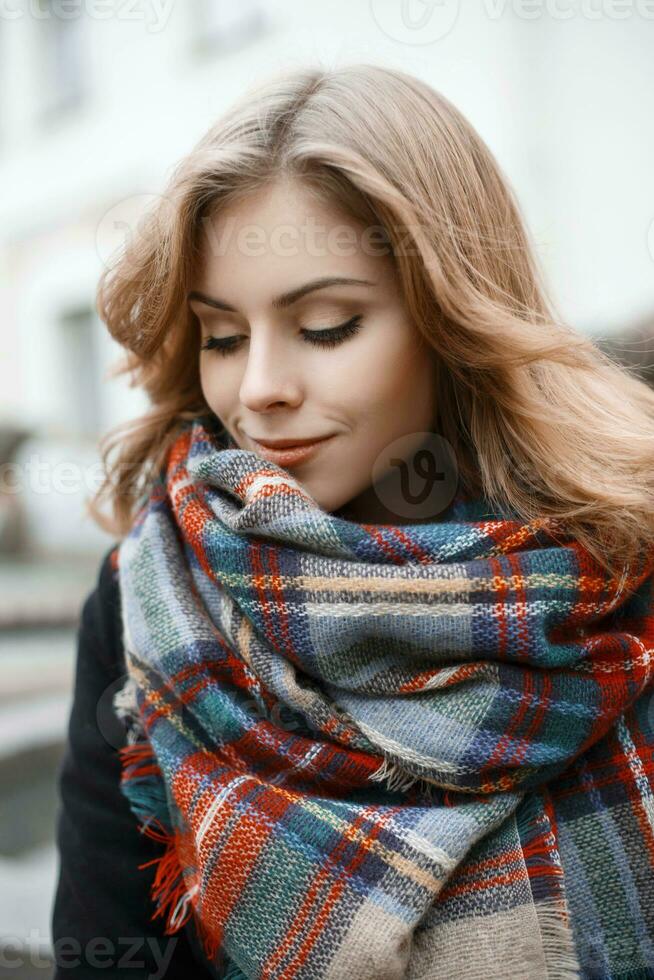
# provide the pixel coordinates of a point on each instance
(344, 733)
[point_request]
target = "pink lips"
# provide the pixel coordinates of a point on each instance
(286, 454)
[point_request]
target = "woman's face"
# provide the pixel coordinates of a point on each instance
(262, 261)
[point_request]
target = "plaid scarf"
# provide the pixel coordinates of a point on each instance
(381, 751)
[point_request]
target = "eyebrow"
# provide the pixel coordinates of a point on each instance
(285, 299)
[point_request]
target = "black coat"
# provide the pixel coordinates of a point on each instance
(101, 925)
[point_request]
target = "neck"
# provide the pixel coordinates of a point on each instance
(367, 508)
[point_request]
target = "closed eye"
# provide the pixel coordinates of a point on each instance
(330, 337)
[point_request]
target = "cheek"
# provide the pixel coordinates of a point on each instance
(205, 373)
(396, 393)
(392, 372)
(217, 384)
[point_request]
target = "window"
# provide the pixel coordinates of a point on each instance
(223, 24)
(80, 362)
(61, 55)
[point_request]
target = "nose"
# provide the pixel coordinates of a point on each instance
(271, 375)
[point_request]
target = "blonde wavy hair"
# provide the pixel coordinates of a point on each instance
(539, 417)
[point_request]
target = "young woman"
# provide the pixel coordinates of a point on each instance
(379, 621)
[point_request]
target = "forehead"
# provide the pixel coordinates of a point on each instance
(282, 235)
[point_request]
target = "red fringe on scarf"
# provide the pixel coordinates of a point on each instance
(169, 887)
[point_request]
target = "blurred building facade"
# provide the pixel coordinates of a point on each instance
(100, 99)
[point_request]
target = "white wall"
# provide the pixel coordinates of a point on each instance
(563, 100)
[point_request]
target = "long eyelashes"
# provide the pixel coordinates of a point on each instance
(319, 338)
